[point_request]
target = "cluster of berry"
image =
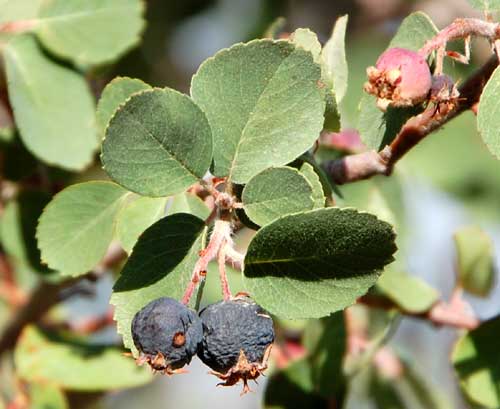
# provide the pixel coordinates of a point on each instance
(232, 337)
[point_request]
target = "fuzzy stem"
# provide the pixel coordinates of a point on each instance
(221, 259)
(458, 29)
(235, 258)
(221, 232)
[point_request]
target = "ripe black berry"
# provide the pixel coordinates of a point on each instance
(237, 339)
(167, 334)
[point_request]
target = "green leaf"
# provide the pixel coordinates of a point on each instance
(19, 221)
(308, 265)
(46, 396)
(334, 63)
(53, 106)
(414, 31)
(488, 116)
(134, 218)
(141, 213)
(326, 351)
(77, 226)
(158, 143)
(307, 40)
(114, 94)
(292, 388)
(476, 270)
(189, 203)
(477, 364)
(486, 5)
(264, 102)
(276, 192)
(89, 32)
(161, 265)
(312, 177)
(409, 293)
(18, 10)
(73, 364)
(379, 128)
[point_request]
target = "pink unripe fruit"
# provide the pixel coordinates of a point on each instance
(401, 78)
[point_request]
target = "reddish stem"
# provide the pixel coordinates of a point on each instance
(458, 29)
(221, 259)
(221, 232)
(235, 258)
(20, 26)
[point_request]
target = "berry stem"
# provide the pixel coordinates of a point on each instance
(458, 29)
(221, 259)
(234, 257)
(221, 232)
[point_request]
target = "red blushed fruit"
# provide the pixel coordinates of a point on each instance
(401, 78)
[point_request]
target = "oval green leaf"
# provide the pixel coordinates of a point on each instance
(488, 116)
(308, 265)
(158, 143)
(89, 32)
(265, 104)
(73, 364)
(188, 203)
(477, 364)
(161, 265)
(53, 106)
(318, 195)
(276, 192)
(334, 62)
(114, 94)
(409, 293)
(414, 31)
(77, 226)
(476, 267)
(18, 227)
(136, 217)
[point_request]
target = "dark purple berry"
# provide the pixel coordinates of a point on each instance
(167, 334)
(237, 339)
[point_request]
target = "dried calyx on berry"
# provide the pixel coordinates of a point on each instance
(401, 78)
(237, 340)
(167, 335)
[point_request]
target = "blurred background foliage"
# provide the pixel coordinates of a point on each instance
(447, 181)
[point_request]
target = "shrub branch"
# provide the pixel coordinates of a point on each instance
(364, 165)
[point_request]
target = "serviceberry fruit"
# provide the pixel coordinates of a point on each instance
(237, 340)
(401, 78)
(167, 334)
